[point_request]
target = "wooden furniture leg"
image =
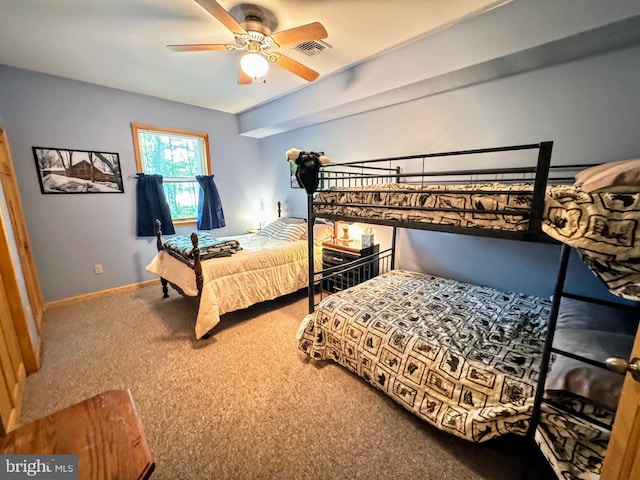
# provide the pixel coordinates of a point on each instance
(197, 265)
(165, 288)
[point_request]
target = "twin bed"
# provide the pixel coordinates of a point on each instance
(244, 269)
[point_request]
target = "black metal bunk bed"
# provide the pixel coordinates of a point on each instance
(346, 193)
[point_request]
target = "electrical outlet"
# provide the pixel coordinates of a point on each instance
(98, 268)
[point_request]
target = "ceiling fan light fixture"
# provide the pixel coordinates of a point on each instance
(254, 65)
(252, 27)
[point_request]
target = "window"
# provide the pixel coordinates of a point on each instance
(177, 155)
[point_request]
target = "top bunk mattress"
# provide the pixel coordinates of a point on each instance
(459, 205)
(603, 226)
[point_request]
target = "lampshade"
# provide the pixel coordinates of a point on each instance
(254, 65)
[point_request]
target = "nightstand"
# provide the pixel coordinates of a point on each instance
(336, 253)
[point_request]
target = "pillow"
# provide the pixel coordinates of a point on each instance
(597, 332)
(292, 220)
(591, 316)
(590, 172)
(598, 385)
(292, 232)
(622, 176)
(272, 230)
(284, 231)
(321, 233)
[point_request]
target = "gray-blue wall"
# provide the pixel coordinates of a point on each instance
(71, 233)
(587, 107)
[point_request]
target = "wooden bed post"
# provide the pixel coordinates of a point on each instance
(165, 288)
(197, 266)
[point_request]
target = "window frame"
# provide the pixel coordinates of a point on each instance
(136, 127)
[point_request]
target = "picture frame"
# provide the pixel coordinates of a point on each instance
(62, 170)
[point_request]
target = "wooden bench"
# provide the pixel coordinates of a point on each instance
(104, 431)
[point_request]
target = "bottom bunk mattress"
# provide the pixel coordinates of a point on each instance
(462, 357)
(574, 444)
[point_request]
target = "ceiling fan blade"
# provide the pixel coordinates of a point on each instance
(296, 68)
(304, 33)
(197, 47)
(215, 9)
(243, 78)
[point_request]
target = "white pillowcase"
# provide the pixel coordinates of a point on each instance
(292, 232)
(272, 230)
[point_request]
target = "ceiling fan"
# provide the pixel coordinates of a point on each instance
(254, 35)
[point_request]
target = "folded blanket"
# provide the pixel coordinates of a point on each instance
(181, 247)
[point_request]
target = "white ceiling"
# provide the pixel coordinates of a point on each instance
(122, 43)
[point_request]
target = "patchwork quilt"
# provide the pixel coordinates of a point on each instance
(462, 357)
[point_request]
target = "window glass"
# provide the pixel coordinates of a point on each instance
(178, 156)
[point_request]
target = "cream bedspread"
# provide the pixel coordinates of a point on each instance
(264, 269)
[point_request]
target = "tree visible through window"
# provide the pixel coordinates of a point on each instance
(177, 155)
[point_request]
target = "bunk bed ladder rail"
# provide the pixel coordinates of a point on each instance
(311, 221)
(539, 188)
(548, 344)
(546, 356)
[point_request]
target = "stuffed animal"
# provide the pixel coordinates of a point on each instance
(309, 164)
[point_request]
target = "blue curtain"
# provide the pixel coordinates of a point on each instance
(152, 205)
(210, 213)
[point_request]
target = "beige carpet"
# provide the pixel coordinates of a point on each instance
(245, 404)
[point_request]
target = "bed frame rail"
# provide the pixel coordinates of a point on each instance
(416, 170)
(333, 279)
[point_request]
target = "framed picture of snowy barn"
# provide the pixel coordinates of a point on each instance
(62, 170)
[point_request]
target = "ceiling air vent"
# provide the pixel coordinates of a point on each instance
(313, 47)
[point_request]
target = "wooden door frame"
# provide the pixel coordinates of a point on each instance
(622, 459)
(12, 371)
(26, 268)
